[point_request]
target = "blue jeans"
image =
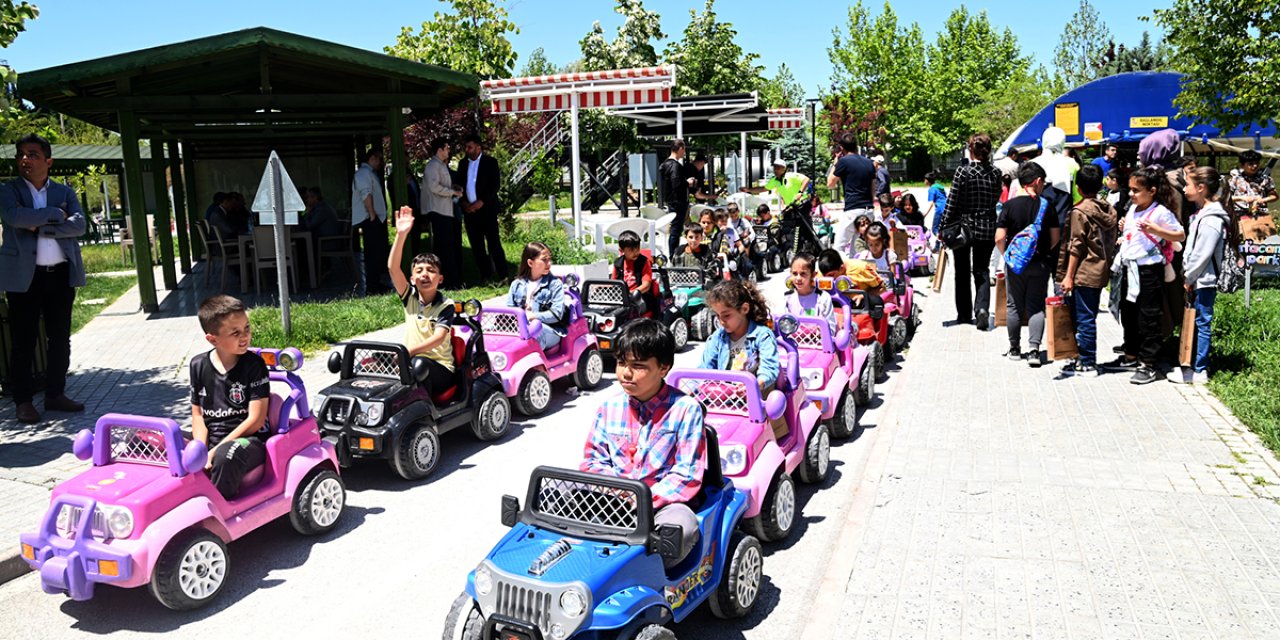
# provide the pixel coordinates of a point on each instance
(1204, 320)
(548, 338)
(1085, 301)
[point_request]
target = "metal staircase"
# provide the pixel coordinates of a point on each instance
(604, 182)
(547, 139)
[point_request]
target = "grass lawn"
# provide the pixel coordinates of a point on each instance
(97, 294)
(105, 257)
(1245, 360)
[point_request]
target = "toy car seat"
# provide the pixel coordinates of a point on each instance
(459, 372)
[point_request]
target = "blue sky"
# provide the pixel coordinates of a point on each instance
(797, 33)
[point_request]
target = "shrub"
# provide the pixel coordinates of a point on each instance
(563, 250)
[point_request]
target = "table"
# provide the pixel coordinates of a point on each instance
(291, 237)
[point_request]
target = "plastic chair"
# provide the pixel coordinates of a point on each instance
(219, 250)
(126, 240)
(264, 257)
(339, 247)
(650, 212)
(640, 226)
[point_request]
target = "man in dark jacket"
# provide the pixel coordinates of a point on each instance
(480, 177)
(673, 193)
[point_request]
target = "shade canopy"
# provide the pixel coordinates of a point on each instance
(786, 118)
(595, 89)
(716, 115)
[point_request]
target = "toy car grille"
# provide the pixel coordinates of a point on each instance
(72, 523)
(588, 503)
(718, 396)
(525, 604)
(606, 294)
(808, 336)
(500, 323)
(375, 363)
(337, 410)
(684, 278)
(144, 446)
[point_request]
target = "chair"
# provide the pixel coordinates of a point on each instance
(339, 247)
(228, 254)
(662, 230)
(696, 210)
(650, 212)
(640, 226)
(202, 229)
(126, 240)
(264, 257)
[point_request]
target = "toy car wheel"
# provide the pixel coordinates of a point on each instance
(417, 453)
(877, 360)
(680, 330)
(817, 456)
(915, 321)
(844, 424)
(897, 334)
(318, 506)
(740, 584)
(655, 632)
(534, 395)
(464, 621)
(191, 570)
(590, 370)
(493, 417)
(866, 389)
(778, 514)
(701, 325)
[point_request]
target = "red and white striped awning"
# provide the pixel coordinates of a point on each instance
(595, 89)
(788, 118)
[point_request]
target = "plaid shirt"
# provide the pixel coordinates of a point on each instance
(975, 190)
(659, 442)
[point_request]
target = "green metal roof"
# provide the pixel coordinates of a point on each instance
(71, 159)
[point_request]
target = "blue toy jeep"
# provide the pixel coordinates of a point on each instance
(583, 560)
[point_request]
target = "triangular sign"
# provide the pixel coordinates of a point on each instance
(264, 200)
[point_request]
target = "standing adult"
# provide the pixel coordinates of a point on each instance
(369, 216)
(856, 174)
(787, 184)
(698, 171)
(40, 267)
(1026, 291)
(882, 176)
(481, 207)
(437, 201)
(975, 190)
(1107, 160)
(673, 192)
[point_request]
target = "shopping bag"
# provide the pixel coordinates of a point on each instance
(1001, 302)
(940, 270)
(1060, 329)
(900, 245)
(1187, 340)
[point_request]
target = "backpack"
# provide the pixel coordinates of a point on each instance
(1230, 273)
(1023, 246)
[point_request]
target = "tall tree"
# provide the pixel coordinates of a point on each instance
(710, 59)
(969, 57)
(537, 64)
(1078, 57)
(473, 38)
(782, 90)
(634, 45)
(1002, 108)
(1143, 57)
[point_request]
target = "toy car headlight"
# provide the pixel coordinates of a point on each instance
(119, 520)
(571, 280)
(290, 359)
(660, 261)
(573, 602)
(372, 414)
(681, 298)
(787, 325)
(791, 283)
(472, 307)
(498, 360)
(733, 459)
(484, 581)
(844, 284)
(606, 324)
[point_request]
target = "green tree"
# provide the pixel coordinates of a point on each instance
(1230, 53)
(709, 58)
(1001, 109)
(12, 17)
(781, 90)
(1079, 55)
(537, 64)
(473, 38)
(969, 57)
(1143, 57)
(634, 45)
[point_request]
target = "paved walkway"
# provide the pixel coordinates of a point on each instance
(1007, 502)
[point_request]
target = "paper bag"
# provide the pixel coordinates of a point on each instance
(1187, 340)
(1059, 329)
(939, 270)
(900, 245)
(1001, 302)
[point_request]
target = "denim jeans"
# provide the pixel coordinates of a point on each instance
(548, 338)
(1204, 321)
(1085, 302)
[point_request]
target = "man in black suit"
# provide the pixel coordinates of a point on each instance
(479, 174)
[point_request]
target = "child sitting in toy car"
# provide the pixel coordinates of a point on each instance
(428, 313)
(230, 391)
(635, 269)
(695, 254)
(744, 341)
(651, 431)
(805, 299)
(862, 273)
(541, 294)
(878, 251)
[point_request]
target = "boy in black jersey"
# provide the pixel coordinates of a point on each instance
(230, 391)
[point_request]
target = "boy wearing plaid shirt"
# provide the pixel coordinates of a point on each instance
(651, 432)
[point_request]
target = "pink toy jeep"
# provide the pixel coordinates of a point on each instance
(510, 337)
(146, 513)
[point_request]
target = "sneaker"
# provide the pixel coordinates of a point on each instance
(1145, 375)
(1076, 368)
(1036, 358)
(1120, 364)
(980, 319)
(1014, 353)
(1180, 375)
(1117, 349)
(1200, 377)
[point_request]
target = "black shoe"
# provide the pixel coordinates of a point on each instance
(27, 413)
(1075, 368)
(1117, 349)
(1014, 353)
(1036, 358)
(62, 403)
(980, 318)
(1120, 364)
(1145, 375)
(963, 320)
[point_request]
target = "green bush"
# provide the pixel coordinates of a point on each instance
(1245, 360)
(563, 250)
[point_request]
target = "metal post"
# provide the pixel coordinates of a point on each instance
(813, 139)
(574, 169)
(193, 200)
(164, 236)
(743, 171)
(137, 212)
(679, 124)
(277, 187)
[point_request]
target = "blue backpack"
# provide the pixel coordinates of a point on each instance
(1023, 246)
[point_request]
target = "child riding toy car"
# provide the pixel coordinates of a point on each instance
(764, 439)
(510, 337)
(381, 408)
(583, 560)
(609, 304)
(838, 372)
(864, 314)
(899, 305)
(920, 260)
(147, 514)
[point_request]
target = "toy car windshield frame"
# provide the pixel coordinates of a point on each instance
(589, 505)
(397, 369)
(684, 277)
(693, 381)
(119, 437)
(605, 293)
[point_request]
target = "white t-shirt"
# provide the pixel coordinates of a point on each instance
(814, 305)
(882, 263)
(1142, 247)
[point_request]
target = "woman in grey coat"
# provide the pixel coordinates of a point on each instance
(1202, 261)
(438, 193)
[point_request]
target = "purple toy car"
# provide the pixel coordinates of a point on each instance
(921, 260)
(146, 513)
(510, 337)
(757, 459)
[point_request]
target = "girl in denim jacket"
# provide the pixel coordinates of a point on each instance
(540, 294)
(744, 341)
